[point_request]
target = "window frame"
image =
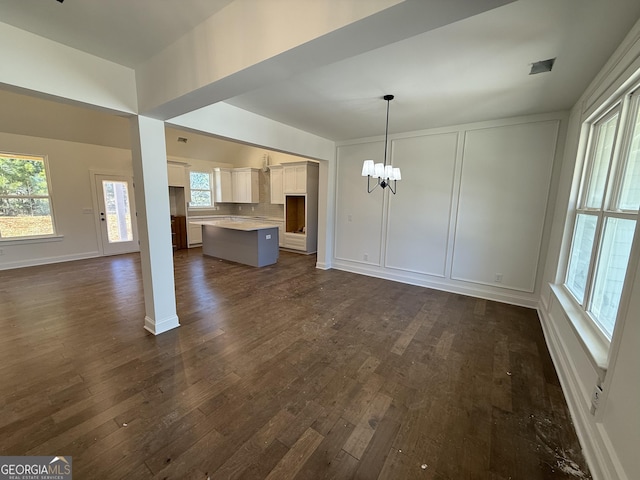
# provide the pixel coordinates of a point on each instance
(34, 238)
(627, 107)
(210, 190)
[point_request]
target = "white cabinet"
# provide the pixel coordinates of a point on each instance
(295, 178)
(223, 185)
(295, 241)
(237, 185)
(194, 234)
(176, 175)
(301, 206)
(276, 184)
(281, 234)
(246, 185)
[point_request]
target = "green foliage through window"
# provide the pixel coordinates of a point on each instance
(200, 183)
(25, 203)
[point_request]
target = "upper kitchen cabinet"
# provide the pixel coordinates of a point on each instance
(237, 185)
(296, 176)
(177, 175)
(276, 184)
(223, 185)
(246, 185)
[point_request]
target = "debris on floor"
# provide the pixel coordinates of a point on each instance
(554, 455)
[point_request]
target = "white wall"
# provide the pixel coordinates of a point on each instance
(472, 204)
(611, 437)
(69, 164)
(506, 174)
(37, 117)
(428, 165)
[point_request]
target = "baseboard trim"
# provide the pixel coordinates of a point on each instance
(162, 326)
(323, 266)
(528, 300)
(48, 260)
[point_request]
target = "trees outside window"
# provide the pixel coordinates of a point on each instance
(200, 183)
(25, 198)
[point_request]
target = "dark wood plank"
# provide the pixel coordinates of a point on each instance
(289, 466)
(285, 371)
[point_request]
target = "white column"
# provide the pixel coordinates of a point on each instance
(154, 223)
(326, 209)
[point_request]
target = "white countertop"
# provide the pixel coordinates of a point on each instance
(245, 225)
(238, 218)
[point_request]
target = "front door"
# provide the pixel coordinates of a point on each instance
(116, 214)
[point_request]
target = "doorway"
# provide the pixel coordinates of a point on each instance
(118, 230)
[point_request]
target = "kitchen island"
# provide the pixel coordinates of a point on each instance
(250, 242)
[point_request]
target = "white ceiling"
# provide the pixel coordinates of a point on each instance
(472, 70)
(126, 32)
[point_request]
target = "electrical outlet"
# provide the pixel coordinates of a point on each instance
(1, 252)
(498, 278)
(365, 257)
(595, 396)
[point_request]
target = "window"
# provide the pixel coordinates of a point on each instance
(25, 198)
(200, 183)
(607, 214)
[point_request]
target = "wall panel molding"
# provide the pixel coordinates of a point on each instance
(409, 237)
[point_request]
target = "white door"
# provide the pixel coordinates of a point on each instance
(116, 214)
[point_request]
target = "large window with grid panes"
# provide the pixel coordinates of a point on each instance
(26, 207)
(604, 229)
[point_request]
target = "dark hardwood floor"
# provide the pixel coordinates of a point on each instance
(282, 372)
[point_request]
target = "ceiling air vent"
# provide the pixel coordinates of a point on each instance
(542, 66)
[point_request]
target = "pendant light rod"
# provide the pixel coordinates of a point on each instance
(388, 98)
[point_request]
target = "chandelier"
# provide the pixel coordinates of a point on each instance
(383, 173)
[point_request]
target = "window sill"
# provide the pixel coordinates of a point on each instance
(593, 342)
(29, 240)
